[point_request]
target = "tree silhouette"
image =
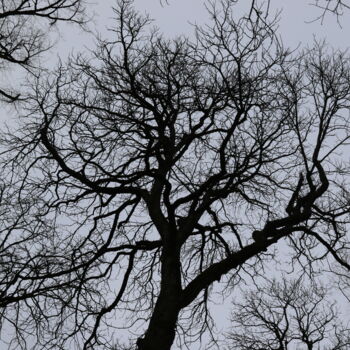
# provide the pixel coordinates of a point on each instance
(143, 174)
(22, 34)
(336, 7)
(287, 315)
(333, 7)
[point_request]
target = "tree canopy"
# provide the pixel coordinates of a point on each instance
(146, 172)
(287, 314)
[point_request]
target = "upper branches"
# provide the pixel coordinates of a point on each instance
(170, 163)
(336, 7)
(22, 38)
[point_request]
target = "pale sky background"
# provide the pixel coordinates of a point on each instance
(173, 19)
(176, 18)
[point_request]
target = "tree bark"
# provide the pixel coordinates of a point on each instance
(160, 334)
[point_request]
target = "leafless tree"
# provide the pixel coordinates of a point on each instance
(336, 7)
(23, 34)
(146, 173)
(287, 315)
(326, 7)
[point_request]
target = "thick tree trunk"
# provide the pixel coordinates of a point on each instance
(160, 334)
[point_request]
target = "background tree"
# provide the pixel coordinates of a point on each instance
(23, 34)
(287, 315)
(144, 174)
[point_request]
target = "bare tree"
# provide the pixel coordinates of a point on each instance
(146, 173)
(287, 315)
(333, 7)
(22, 32)
(336, 7)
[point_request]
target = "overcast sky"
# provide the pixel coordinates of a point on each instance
(175, 18)
(297, 28)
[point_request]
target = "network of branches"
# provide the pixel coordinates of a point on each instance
(287, 314)
(151, 173)
(23, 34)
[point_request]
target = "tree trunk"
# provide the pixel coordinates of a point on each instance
(160, 334)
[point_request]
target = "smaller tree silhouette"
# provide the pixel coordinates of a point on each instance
(287, 315)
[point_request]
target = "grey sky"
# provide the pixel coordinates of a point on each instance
(173, 19)
(297, 28)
